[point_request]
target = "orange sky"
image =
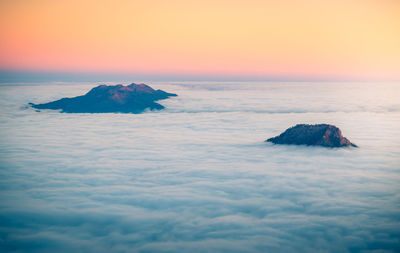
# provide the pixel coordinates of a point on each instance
(260, 38)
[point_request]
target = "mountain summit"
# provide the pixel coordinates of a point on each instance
(133, 98)
(313, 135)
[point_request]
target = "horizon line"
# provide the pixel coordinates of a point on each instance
(26, 76)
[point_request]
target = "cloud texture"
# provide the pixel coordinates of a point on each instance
(197, 177)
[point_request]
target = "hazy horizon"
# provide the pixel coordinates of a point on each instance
(24, 76)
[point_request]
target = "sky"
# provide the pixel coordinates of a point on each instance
(314, 39)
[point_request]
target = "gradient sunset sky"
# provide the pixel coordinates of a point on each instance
(339, 39)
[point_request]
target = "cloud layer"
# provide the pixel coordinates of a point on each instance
(197, 176)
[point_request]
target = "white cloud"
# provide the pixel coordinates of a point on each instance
(198, 176)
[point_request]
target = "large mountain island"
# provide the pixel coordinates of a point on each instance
(313, 135)
(133, 98)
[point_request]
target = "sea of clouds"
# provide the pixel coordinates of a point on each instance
(198, 176)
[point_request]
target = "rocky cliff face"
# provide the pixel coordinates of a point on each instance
(133, 98)
(313, 135)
